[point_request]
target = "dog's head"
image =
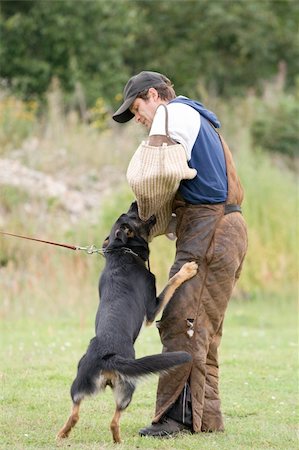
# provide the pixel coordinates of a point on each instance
(129, 226)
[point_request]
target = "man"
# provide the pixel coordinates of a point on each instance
(210, 230)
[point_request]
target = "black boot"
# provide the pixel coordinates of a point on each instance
(165, 428)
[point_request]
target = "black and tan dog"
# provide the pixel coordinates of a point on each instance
(128, 295)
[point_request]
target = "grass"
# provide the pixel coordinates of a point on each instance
(258, 382)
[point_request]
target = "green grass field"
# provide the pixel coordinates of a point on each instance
(258, 382)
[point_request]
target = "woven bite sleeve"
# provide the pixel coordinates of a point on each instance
(154, 174)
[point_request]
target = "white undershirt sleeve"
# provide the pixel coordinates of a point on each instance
(183, 124)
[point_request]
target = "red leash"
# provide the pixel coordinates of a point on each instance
(90, 249)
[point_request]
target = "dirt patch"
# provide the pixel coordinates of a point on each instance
(79, 203)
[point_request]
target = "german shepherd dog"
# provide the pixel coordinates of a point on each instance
(127, 297)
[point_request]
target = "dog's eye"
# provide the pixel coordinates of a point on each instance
(126, 227)
(127, 230)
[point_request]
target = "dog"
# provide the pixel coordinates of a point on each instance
(127, 297)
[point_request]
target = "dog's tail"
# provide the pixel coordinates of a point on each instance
(147, 364)
(88, 381)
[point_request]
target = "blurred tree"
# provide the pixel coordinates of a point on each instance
(94, 46)
(78, 42)
(227, 45)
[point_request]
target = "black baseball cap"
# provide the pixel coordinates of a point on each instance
(138, 83)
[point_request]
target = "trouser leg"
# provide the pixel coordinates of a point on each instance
(212, 419)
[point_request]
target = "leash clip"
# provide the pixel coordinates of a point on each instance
(90, 249)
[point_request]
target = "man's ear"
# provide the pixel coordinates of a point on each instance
(152, 92)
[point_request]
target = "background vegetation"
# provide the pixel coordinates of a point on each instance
(62, 177)
(94, 46)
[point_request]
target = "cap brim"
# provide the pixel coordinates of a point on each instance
(123, 114)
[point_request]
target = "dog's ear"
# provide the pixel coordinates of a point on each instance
(151, 221)
(133, 209)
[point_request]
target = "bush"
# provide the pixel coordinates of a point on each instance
(276, 128)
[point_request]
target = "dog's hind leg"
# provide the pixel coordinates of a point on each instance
(114, 426)
(123, 392)
(70, 423)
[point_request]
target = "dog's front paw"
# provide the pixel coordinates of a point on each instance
(189, 270)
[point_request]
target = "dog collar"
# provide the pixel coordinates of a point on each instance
(127, 250)
(124, 249)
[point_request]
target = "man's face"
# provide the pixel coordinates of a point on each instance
(145, 110)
